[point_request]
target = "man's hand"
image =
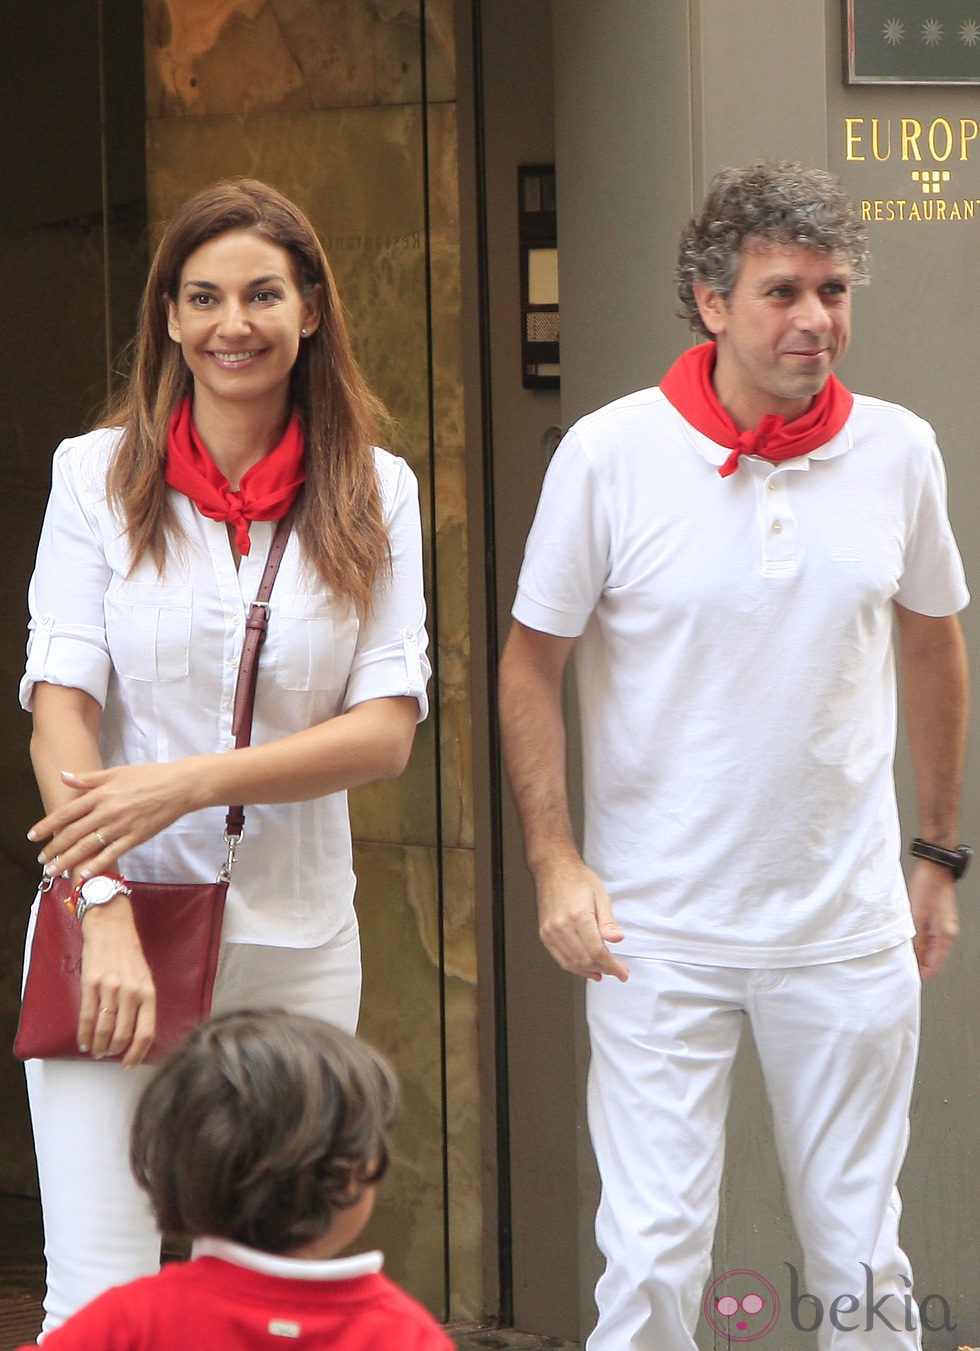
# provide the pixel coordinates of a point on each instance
(932, 892)
(575, 921)
(575, 918)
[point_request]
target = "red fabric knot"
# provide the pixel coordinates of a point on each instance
(688, 386)
(755, 441)
(266, 491)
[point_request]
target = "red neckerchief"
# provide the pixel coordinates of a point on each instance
(688, 387)
(266, 491)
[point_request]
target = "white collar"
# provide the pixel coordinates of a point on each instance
(291, 1268)
(717, 455)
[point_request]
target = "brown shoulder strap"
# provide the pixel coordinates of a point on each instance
(255, 630)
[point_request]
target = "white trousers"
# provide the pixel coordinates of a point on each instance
(838, 1045)
(98, 1228)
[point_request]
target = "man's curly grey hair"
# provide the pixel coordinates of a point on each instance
(775, 203)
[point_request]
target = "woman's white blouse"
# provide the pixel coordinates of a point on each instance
(161, 654)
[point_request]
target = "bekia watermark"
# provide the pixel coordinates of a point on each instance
(743, 1306)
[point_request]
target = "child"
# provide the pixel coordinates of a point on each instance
(262, 1139)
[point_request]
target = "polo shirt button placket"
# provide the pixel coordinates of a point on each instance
(779, 526)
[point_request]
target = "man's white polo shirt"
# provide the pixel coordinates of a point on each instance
(736, 676)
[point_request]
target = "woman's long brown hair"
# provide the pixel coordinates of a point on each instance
(339, 514)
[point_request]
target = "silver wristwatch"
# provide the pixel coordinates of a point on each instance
(99, 890)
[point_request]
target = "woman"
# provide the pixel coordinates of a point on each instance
(244, 404)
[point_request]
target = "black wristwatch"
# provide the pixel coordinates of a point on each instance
(956, 860)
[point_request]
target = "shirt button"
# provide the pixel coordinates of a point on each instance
(772, 485)
(777, 527)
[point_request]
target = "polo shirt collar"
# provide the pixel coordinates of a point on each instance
(716, 455)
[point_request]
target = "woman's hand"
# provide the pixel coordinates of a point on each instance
(110, 812)
(118, 1009)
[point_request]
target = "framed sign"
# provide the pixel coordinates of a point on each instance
(538, 234)
(913, 41)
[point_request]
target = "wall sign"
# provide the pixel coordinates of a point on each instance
(923, 166)
(538, 235)
(913, 41)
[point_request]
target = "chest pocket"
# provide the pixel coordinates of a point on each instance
(309, 647)
(148, 629)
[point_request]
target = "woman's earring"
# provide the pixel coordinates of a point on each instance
(302, 333)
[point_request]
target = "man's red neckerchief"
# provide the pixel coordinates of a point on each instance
(687, 385)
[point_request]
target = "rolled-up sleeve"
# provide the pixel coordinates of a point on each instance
(66, 639)
(390, 658)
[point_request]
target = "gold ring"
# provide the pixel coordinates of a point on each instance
(101, 839)
(113, 1012)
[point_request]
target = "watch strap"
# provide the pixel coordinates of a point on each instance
(956, 860)
(79, 904)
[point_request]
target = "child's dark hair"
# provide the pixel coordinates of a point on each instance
(260, 1127)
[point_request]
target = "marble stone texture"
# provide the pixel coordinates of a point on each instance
(218, 57)
(429, 1213)
(322, 99)
(373, 228)
(18, 880)
(52, 379)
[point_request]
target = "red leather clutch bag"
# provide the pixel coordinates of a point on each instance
(179, 926)
(179, 923)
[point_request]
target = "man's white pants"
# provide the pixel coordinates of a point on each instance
(98, 1227)
(838, 1045)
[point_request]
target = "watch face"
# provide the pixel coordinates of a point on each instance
(98, 890)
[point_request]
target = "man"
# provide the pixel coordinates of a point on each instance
(727, 555)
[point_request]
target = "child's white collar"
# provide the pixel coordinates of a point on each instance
(291, 1268)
